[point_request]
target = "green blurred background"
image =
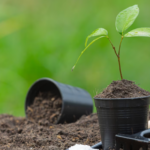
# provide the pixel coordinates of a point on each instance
(43, 38)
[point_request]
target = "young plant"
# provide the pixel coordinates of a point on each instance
(123, 21)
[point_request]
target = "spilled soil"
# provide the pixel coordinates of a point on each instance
(122, 89)
(24, 134)
(46, 108)
(39, 130)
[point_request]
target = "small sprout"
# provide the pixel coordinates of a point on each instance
(123, 21)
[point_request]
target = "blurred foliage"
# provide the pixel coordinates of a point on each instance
(44, 38)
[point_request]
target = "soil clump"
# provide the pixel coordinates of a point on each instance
(122, 89)
(46, 108)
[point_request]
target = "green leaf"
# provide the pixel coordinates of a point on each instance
(126, 18)
(97, 32)
(138, 32)
(85, 50)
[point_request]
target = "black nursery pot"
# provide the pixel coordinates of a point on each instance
(75, 101)
(125, 115)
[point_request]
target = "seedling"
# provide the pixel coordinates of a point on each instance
(123, 21)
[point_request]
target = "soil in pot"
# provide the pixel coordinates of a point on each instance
(127, 115)
(122, 89)
(24, 134)
(46, 108)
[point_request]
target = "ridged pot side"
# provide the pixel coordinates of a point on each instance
(126, 116)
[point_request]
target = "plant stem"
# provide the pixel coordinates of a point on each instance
(118, 55)
(120, 46)
(120, 67)
(119, 59)
(112, 46)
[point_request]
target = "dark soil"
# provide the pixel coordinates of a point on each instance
(21, 133)
(39, 132)
(122, 89)
(45, 109)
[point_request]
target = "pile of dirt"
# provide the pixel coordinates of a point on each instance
(46, 108)
(122, 89)
(39, 130)
(21, 133)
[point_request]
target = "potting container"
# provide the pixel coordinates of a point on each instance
(124, 115)
(75, 101)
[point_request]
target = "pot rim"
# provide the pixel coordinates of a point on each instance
(131, 98)
(55, 84)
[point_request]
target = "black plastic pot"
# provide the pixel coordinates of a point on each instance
(125, 116)
(76, 101)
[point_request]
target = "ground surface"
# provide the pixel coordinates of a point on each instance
(39, 129)
(20, 133)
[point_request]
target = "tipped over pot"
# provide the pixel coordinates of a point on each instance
(75, 101)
